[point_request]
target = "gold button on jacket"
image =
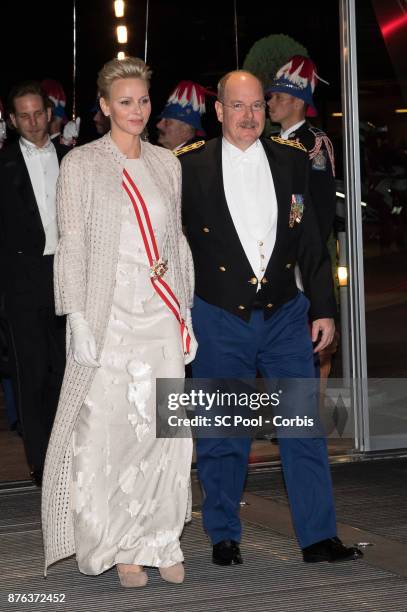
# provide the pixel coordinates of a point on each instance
(206, 229)
(241, 307)
(253, 280)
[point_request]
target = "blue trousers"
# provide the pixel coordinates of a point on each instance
(279, 348)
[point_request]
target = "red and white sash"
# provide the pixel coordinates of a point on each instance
(158, 267)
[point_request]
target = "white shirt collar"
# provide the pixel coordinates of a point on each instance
(236, 154)
(180, 145)
(285, 135)
(27, 143)
(32, 149)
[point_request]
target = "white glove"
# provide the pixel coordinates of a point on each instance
(194, 344)
(83, 341)
(71, 132)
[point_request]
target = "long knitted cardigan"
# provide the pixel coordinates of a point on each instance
(89, 200)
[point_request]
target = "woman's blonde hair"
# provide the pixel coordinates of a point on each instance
(127, 68)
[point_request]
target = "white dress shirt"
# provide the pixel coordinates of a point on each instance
(43, 168)
(252, 202)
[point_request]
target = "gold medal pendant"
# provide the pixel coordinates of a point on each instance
(158, 268)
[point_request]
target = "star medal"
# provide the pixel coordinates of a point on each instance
(158, 268)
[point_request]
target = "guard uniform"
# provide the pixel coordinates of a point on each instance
(191, 145)
(322, 173)
(298, 78)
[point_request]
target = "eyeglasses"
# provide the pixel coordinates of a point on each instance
(239, 107)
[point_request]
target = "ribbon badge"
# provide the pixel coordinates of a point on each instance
(296, 209)
(158, 268)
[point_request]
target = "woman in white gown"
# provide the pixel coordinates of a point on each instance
(113, 493)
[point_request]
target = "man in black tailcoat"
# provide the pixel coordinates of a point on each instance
(29, 170)
(249, 219)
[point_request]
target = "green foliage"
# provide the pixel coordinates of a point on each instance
(268, 54)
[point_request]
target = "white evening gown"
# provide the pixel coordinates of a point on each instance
(130, 490)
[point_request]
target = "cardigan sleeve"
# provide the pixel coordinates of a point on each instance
(70, 255)
(187, 264)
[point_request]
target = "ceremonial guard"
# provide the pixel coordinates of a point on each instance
(291, 102)
(249, 219)
(179, 126)
(60, 129)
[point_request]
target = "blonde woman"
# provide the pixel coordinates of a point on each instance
(113, 494)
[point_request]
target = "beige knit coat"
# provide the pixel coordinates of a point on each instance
(89, 200)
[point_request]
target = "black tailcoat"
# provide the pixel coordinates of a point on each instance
(223, 275)
(22, 237)
(36, 334)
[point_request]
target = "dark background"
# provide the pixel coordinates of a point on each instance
(186, 40)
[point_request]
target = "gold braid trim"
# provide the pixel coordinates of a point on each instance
(191, 147)
(290, 143)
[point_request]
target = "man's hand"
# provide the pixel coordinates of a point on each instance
(325, 327)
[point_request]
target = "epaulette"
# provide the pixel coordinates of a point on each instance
(290, 143)
(190, 147)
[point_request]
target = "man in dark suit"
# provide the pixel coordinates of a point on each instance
(28, 238)
(249, 219)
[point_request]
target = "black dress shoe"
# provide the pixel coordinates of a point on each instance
(36, 477)
(331, 550)
(227, 552)
(237, 556)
